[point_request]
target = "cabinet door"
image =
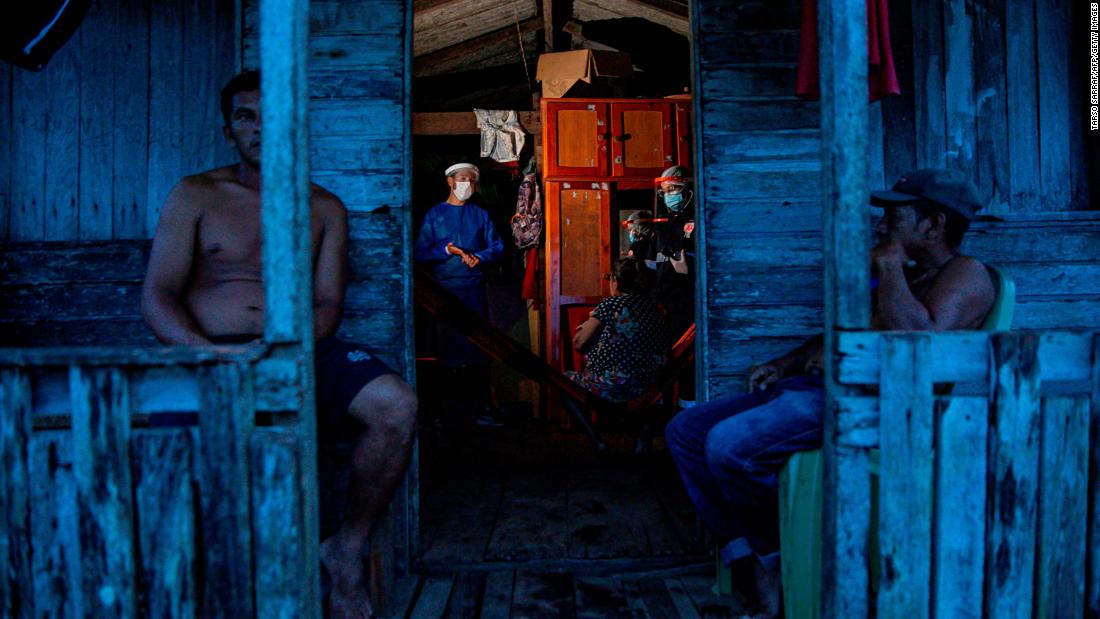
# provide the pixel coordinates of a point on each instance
(683, 133)
(578, 238)
(576, 138)
(641, 139)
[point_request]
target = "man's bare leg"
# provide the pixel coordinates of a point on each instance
(387, 406)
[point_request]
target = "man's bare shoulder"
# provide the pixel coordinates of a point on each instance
(967, 269)
(326, 203)
(197, 189)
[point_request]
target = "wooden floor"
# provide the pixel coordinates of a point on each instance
(524, 493)
(525, 593)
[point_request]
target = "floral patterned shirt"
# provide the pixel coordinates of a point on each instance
(631, 349)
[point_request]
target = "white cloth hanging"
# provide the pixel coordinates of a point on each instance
(502, 137)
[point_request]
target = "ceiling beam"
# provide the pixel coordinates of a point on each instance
(554, 14)
(419, 6)
(466, 52)
(462, 123)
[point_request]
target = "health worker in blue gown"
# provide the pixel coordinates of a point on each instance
(456, 242)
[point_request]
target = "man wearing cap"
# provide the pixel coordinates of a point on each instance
(729, 451)
(456, 242)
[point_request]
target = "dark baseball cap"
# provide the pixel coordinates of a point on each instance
(948, 188)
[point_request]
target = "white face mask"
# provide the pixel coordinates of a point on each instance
(463, 190)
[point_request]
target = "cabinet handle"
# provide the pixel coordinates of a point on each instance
(622, 138)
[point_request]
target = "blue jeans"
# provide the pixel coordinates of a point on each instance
(729, 452)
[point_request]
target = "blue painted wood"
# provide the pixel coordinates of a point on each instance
(958, 53)
(991, 148)
(28, 147)
(958, 537)
(1057, 165)
(1092, 574)
(5, 149)
(131, 121)
(55, 526)
(1014, 466)
(928, 83)
(100, 400)
(1063, 507)
(905, 477)
(1021, 88)
(225, 421)
(62, 165)
(98, 34)
(277, 535)
(166, 128)
(165, 510)
(16, 580)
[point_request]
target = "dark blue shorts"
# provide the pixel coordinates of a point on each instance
(342, 369)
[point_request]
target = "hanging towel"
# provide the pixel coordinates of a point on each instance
(881, 78)
(502, 136)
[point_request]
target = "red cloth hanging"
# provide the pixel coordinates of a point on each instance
(882, 80)
(530, 289)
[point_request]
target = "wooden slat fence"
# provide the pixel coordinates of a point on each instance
(987, 496)
(142, 482)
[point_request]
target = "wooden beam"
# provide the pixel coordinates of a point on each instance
(555, 13)
(421, 6)
(287, 252)
(463, 123)
(842, 32)
(472, 51)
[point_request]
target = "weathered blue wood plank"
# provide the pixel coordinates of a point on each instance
(958, 53)
(98, 36)
(166, 521)
(101, 454)
(1063, 507)
(842, 34)
(55, 526)
(1021, 89)
(991, 152)
(1056, 167)
(201, 118)
(166, 128)
(6, 153)
(1014, 465)
(16, 580)
(62, 191)
(958, 538)
(928, 83)
(277, 514)
(906, 477)
(1092, 585)
(28, 149)
(225, 421)
(131, 119)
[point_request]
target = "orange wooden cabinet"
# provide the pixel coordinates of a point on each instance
(600, 158)
(600, 139)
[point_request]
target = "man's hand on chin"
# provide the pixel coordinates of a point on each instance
(888, 253)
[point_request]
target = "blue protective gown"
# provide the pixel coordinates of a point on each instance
(467, 226)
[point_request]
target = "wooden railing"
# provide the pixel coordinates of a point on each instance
(107, 512)
(987, 496)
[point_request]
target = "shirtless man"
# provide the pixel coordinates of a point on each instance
(729, 451)
(204, 286)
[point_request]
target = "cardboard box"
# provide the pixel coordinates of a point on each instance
(584, 73)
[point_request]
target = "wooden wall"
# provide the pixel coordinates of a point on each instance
(129, 105)
(994, 88)
(760, 183)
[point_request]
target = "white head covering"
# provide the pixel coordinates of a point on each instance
(463, 166)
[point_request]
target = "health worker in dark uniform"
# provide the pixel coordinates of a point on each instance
(672, 254)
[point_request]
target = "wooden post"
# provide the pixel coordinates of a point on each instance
(288, 282)
(100, 401)
(16, 587)
(842, 32)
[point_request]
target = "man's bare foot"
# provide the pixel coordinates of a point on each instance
(349, 598)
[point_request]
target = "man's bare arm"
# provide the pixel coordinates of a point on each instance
(162, 303)
(330, 271)
(961, 295)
